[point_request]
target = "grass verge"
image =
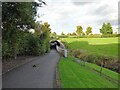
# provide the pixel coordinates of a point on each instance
(73, 75)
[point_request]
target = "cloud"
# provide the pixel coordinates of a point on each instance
(104, 10)
(101, 10)
(81, 3)
(64, 16)
(113, 22)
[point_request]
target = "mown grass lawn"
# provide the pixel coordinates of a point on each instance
(105, 71)
(101, 46)
(73, 75)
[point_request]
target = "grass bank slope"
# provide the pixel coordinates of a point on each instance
(73, 75)
(102, 46)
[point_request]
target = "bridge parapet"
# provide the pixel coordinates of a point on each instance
(59, 46)
(61, 50)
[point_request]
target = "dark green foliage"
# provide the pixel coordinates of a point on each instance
(16, 16)
(79, 30)
(88, 30)
(62, 36)
(31, 46)
(94, 36)
(17, 19)
(53, 35)
(106, 29)
(109, 35)
(107, 62)
(27, 44)
(44, 41)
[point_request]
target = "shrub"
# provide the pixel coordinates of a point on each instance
(109, 35)
(27, 44)
(94, 36)
(76, 53)
(108, 62)
(62, 36)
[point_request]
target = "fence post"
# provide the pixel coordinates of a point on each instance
(101, 68)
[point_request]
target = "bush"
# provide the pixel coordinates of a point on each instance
(44, 41)
(109, 35)
(97, 59)
(94, 36)
(62, 36)
(32, 47)
(27, 44)
(76, 53)
(6, 51)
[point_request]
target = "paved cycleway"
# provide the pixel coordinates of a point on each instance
(40, 76)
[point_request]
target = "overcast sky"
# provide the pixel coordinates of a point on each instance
(64, 16)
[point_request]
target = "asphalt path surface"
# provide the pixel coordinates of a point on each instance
(27, 76)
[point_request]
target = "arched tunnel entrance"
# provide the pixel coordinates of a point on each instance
(53, 44)
(58, 46)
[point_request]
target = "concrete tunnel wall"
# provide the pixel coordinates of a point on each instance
(53, 44)
(59, 47)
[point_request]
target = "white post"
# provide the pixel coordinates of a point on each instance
(65, 53)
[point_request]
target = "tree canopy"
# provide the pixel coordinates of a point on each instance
(88, 30)
(79, 30)
(62, 34)
(106, 29)
(17, 19)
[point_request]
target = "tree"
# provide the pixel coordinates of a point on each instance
(62, 34)
(16, 18)
(103, 29)
(88, 30)
(47, 27)
(45, 37)
(83, 33)
(79, 30)
(109, 28)
(38, 30)
(106, 29)
(53, 35)
(74, 34)
(69, 34)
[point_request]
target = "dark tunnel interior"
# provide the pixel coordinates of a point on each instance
(53, 44)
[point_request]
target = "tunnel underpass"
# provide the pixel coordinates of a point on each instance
(59, 47)
(53, 44)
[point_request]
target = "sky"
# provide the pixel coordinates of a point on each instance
(65, 15)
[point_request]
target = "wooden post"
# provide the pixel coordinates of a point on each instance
(101, 68)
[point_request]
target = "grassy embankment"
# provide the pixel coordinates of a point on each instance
(102, 46)
(73, 75)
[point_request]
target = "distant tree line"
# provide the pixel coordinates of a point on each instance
(17, 19)
(106, 31)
